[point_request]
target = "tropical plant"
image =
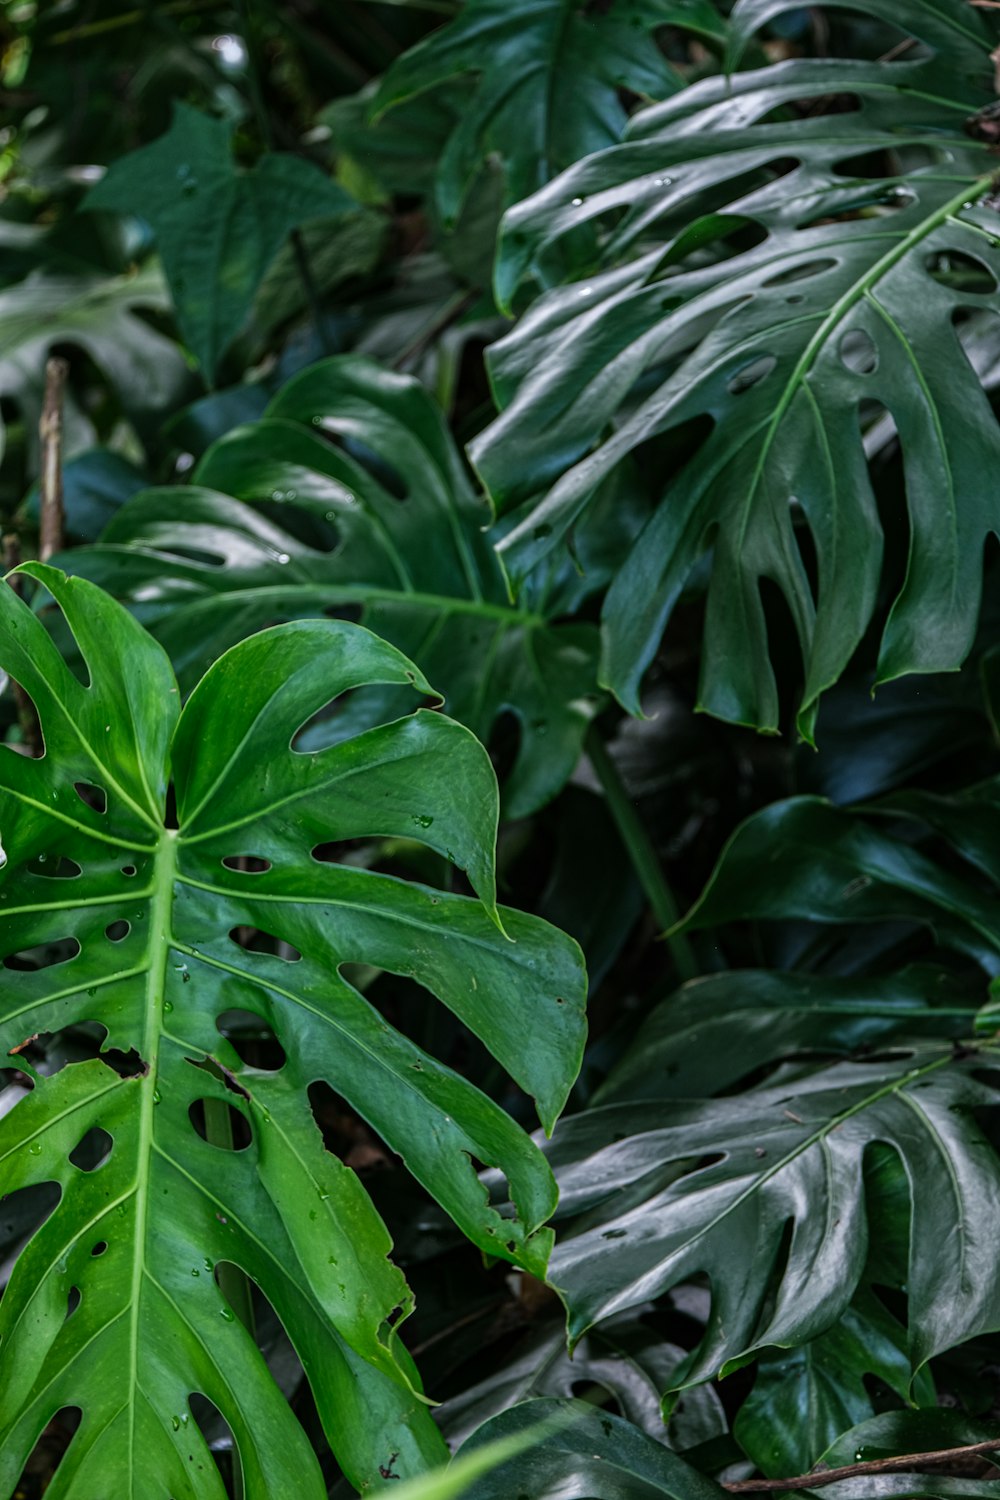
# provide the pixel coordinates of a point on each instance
(479, 421)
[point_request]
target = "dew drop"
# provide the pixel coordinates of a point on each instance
(323, 1195)
(168, 1006)
(175, 1423)
(34, 1149)
(577, 203)
(195, 1271)
(156, 1096)
(422, 820)
(227, 1313)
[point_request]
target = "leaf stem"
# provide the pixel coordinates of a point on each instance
(643, 855)
(816, 1481)
(53, 516)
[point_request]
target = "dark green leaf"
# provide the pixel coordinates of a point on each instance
(590, 1455)
(763, 1194)
(550, 75)
(217, 229)
(868, 237)
(351, 492)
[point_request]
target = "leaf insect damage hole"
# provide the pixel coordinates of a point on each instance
(255, 940)
(93, 796)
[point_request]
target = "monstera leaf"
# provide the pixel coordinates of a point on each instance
(217, 229)
(152, 925)
(837, 865)
(586, 1454)
(350, 493)
(769, 265)
(764, 1193)
(551, 73)
(102, 316)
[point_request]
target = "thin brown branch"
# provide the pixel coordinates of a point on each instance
(31, 732)
(52, 522)
(816, 1481)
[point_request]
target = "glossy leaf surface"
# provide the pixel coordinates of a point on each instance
(670, 1191)
(351, 493)
(550, 73)
(769, 279)
(155, 918)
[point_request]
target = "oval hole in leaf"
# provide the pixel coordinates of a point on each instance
(116, 932)
(128, 870)
(54, 867)
(72, 1301)
(44, 956)
(873, 165)
(92, 1151)
(23, 1212)
(196, 555)
(254, 940)
(47, 1453)
(216, 1431)
(750, 375)
(252, 1039)
(95, 797)
(962, 272)
(246, 864)
(858, 352)
(800, 273)
(99, 1248)
(239, 1125)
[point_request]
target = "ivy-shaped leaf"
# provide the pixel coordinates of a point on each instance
(217, 229)
(114, 912)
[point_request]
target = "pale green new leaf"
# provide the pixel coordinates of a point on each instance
(155, 918)
(768, 272)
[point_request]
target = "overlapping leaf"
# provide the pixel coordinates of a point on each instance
(764, 1194)
(102, 316)
(583, 1454)
(350, 492)
(782, 257)
(117, 1305)
(550, 76)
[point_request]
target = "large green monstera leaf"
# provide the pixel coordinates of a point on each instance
(153, 924)
(765, 1194)
(777, 268)
(551, 76)
(350, 493)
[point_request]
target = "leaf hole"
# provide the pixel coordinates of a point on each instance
(99, 1248)
(118, 931)
(128, 870)
(749, 375)
(49, 1451)
(858, 352)
(255, 940)
(345, 1134)
(252, 1039)
(212, 1439)
(246, 864)
(54, 867)
(801, 272)
(95, 797)
(198, 555)
(92, 1150)
(73, 1301)
(961, 272)
(234, 1135)
(43, 956)
(126, 1064)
